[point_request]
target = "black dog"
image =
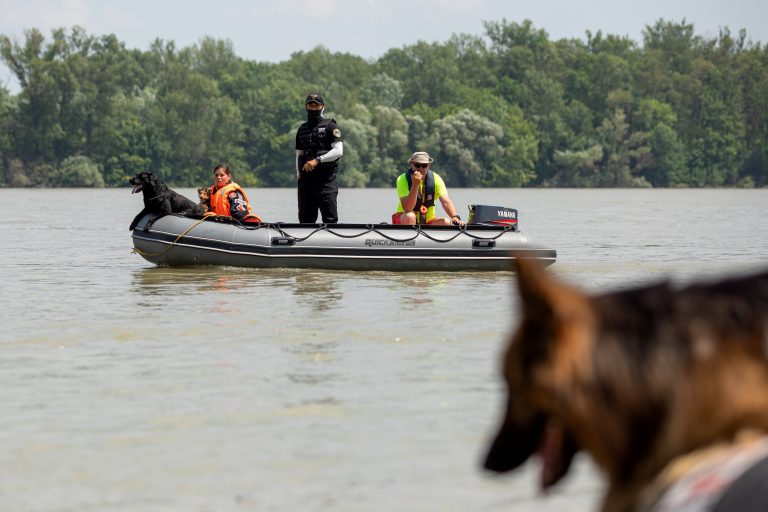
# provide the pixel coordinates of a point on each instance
(159, 199)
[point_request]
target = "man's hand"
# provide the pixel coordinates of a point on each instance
(311, 164)
(416, 177)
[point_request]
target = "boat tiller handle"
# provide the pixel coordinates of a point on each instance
(483, 243)
(283, 240)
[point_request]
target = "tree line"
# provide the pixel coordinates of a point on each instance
(506, 109)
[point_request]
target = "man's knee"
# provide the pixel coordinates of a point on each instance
(407, 218)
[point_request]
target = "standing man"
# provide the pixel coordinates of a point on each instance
(318, 149)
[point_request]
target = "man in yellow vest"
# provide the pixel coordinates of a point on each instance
(418, 188)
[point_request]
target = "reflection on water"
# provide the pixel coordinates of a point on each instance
(159, 280)
(316, 289)
(313, 358)
(319, 290)
(420, 289)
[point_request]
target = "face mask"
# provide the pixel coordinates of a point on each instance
(314, 115)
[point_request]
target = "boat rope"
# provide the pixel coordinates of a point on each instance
(373, 228)
(136, 250)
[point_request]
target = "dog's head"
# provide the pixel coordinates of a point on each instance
(203, 194)
(142, 180)
(577, 378)
(634, 377)
(547, 355)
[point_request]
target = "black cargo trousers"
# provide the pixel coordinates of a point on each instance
(318, 190)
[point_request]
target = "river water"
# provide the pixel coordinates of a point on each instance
(126, 387)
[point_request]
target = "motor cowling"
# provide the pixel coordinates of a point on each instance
(493, 215)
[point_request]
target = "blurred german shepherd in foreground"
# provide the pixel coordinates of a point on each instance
(667, 390)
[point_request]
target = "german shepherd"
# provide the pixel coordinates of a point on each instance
(159, 199)
(665, 387)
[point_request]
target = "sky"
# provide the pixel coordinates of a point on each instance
(271, 30)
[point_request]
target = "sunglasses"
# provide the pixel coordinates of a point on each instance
(421, 166)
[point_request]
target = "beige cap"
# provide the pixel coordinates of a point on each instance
(421, 157)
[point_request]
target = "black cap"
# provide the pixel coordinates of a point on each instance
(314, 98)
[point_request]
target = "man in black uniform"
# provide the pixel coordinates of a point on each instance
(318, 149)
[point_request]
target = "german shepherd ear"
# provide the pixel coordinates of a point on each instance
(542, 296)
(535, 287)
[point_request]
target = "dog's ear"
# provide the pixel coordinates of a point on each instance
(543, 296)
(535, 287)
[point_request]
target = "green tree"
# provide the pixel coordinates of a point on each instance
(668, 167)
(6, 128)
(625, 154)
(216, 59)
(428, 73)
(76, 171)
(271, 115)
(517, 48)
(44, 102)
(469, 149)
(676, 43)
(668, 154)
(716, 128)
(360, 160)
(391, 150)
(577, 168)
(199, 125)
(338, 75)
(541, 98)
(383, 90)
(506, 109)
(473, 58)
(751, 75)
(131, 143)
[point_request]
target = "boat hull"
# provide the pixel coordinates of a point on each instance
(175, 240)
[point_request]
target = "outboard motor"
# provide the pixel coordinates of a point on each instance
(493, 215)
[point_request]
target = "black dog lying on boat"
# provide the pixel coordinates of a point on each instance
(664, 386)
(159, 199)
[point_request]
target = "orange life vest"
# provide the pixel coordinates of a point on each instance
(220, 198)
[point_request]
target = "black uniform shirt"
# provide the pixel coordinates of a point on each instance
(316, 140)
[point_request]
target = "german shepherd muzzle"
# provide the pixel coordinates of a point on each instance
(159, 199)
(658, 384)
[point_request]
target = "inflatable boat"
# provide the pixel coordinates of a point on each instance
(491, 240)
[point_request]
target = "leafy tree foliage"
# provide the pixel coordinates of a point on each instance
(383, 90)
(507, 108)
(468, 148)
(76, 171)
(6, 119)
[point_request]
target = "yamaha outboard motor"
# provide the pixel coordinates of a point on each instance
(493, 215)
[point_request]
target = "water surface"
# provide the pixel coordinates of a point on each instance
(127, 387)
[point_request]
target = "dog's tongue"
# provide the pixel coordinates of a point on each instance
(137, 188)
(551, 452)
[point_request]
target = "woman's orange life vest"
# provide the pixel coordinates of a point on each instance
(220, 199)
